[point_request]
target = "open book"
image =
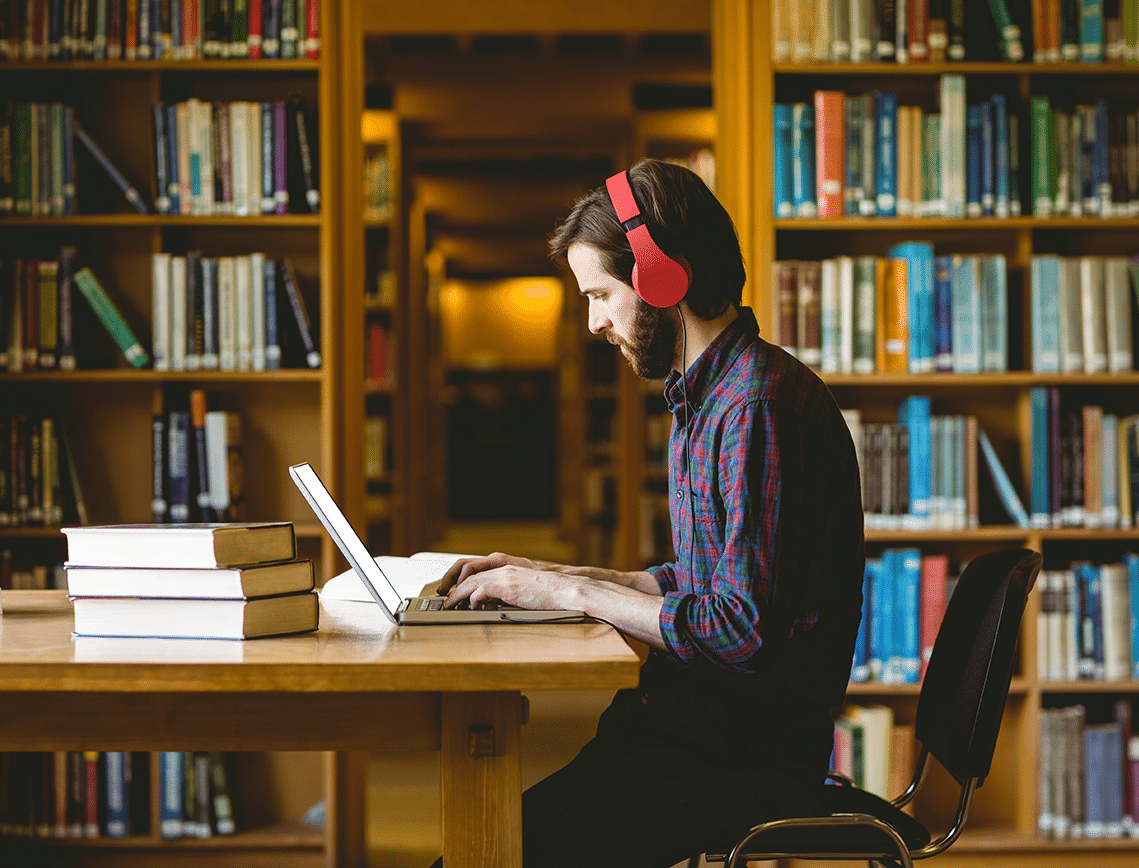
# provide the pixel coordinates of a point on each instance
(419, 573)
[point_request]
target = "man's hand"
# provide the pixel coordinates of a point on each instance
(507, 579)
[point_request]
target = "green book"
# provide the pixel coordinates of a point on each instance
(22, 179)
(1011, 46)
(111, 318)
(1014, 165)
(1041, 120)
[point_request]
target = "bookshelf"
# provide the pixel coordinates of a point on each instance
(105, 406)
(1002, 828)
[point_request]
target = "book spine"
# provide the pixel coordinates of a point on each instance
(886, 170)
(171, 787)
(48, 314)
(121, 182)
(159, 463)
(257, 270)
(803, 160)
(117, 822)
(943, 314)
(830, 149)
(268, 177)
(254, 38)
(973, 158)
(160, 299)
(1012, 48)
(1091, 31)
(1041, 115)
(111, 318)
(312, 30)
(280, 159)
(1009, 498)
(272, 319)
(178, 465)
(208, 304)
(161, 155)
(296, 302)
(782, 150)
(304, 151)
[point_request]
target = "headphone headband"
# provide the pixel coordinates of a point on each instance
(657, 278)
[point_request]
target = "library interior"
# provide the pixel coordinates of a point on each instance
(317, 231)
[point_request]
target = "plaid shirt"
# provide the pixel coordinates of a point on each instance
(768, 574)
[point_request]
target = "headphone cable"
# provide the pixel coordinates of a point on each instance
(687, 442)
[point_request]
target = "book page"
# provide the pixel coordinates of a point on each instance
(409, 576)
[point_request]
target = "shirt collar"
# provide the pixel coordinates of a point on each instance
(710, 367)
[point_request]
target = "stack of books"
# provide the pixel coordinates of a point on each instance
(195, 581)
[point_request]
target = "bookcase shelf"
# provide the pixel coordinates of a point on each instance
(1002, 828)
(288, 415)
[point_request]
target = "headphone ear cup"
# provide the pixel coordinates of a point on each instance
(658, 279)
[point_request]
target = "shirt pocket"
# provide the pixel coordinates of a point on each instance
(709, 517)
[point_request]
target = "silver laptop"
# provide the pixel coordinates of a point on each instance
(400, 609)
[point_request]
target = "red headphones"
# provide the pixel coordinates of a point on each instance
(657, 278)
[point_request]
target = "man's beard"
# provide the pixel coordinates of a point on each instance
(651, 347)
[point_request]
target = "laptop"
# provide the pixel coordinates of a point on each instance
(398, 608)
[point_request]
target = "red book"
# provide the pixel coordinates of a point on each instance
(312, 30)
(917, 26)
(934, 576)
(130, 30)
(191, 47)
(377, 355)
(254, 38)
(830, 151)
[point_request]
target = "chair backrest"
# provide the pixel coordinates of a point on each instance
(967, 680)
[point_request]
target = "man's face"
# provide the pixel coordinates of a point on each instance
(646, 335)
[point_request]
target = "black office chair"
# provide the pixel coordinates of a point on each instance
(958, 717)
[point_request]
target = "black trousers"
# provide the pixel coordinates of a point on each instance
(641, 794)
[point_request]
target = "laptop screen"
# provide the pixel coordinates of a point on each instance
(346, 538)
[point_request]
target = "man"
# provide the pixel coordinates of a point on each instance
(752, 627)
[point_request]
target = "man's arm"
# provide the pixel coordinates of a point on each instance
(630, 601)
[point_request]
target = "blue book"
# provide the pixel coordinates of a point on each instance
(175, 190)
(943, 314)
(1100, 160)
(914, 413)
(272, 333)
(877, 644)
(1000, 155)
(1009, 498)
(988, 160)
(171, 786)
(908, 613)
(966, 315)
(860, 666)
(1091, 31)
(1039, 497)
(973, 161)
(919, 268)
(781, 154)
(994, 313)
(889, 635)
(1045, 314)
(1131, 561)
(803, 160)
(886, 165)
(116, 789)
(161, 159)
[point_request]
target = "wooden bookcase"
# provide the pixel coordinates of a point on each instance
(1002, 825)
(289, 415)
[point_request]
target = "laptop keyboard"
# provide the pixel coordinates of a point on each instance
(431, 604)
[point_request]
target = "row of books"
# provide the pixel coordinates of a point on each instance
(874, 750)
(1085, 162)
(376, 445)
(193, 581)
(74, 794)
(197, 461)
(921, 31)
(23, 576)
(234, 158)
(1085, 467)
(159, 29)
(1089, 622)
(39, 484)
(38, 168)
(864, 155)
(1082, 317)
(906, 312)
(43, 327)
(229, 313)
(106, 794)
(1088, 773)
(904, 595)
(211, 158)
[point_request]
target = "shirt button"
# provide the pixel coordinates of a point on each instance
(679, 494)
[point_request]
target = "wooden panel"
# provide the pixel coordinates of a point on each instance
(525, 16)
(481, 780)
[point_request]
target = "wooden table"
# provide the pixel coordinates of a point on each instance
(356, 684)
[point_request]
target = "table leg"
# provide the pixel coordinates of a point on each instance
(481, 780)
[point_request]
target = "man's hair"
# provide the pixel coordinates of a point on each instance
(685, 220)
